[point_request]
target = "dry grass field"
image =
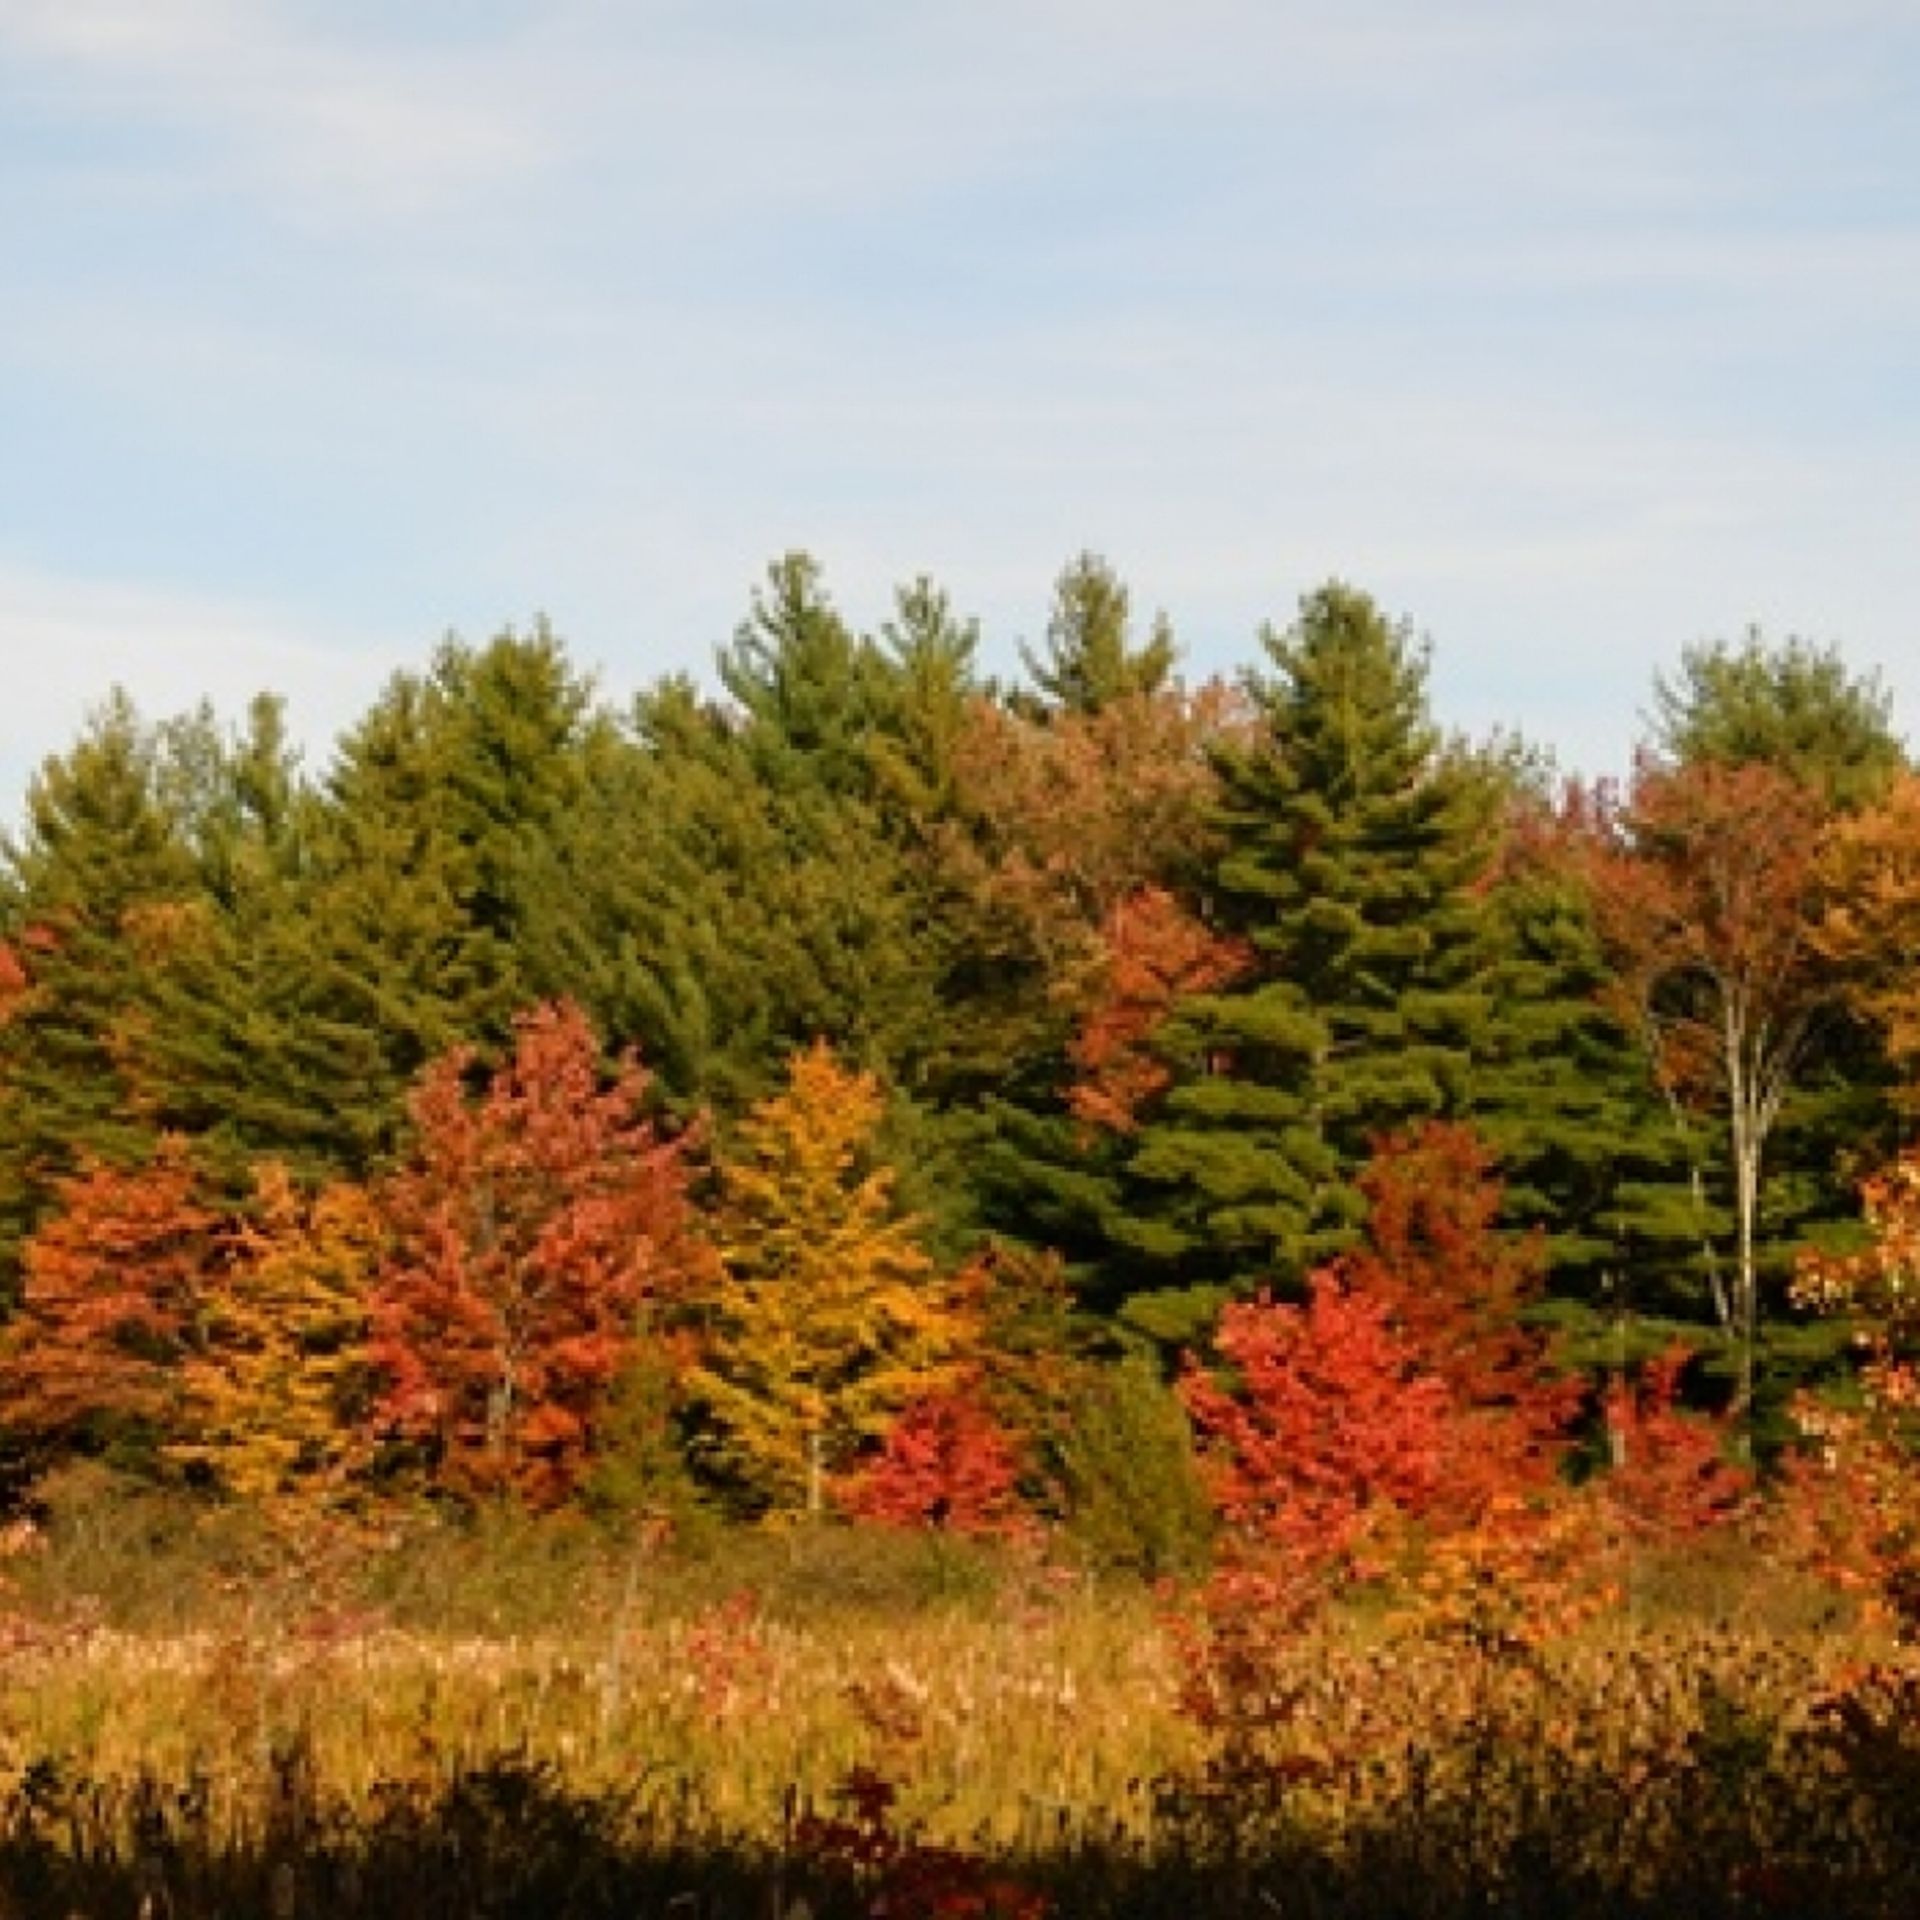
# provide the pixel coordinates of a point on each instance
(542, 1722)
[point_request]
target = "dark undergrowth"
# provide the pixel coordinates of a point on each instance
(509, 1840)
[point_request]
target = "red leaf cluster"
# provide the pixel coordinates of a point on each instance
(1672, 1478)
(1326, 1423)
(1408, 1386)
(948, 1463)
(530, 1228)
(1456, 1289)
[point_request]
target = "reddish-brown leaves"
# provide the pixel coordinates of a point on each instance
(1155, 953)
(111, 1281)
(530, 1228)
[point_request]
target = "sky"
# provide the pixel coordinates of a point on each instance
(1575, 333)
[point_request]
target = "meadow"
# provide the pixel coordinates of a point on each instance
(530, 1719)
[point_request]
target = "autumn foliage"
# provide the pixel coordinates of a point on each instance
(1851, 1499)
(1156, 952)
(1456, 1289)
(1871, 930)
(1673, 1474)
(272, 1398)
(947, 1463)
(1323, 1428)
(529, 1232)
(1712, 897)
(994, 1039)
(1407, 1387)
(113, 1282)
(828, 1318)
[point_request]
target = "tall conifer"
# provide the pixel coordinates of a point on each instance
(1350, 843)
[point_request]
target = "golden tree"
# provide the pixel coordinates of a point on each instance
(1872, 927)
(829, 1317)
(268, 1397)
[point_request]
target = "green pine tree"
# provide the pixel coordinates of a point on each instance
(1091, 657)
(1351, 843)
(97, 890)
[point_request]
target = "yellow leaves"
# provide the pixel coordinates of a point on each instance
(829, 1316)
(268, 1394)
(1871, 865)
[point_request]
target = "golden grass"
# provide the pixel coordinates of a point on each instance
(997, 1719)
(677, 1709)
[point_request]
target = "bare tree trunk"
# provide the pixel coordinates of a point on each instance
(1748, 1127)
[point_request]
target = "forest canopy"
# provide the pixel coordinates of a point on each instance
(860, 1085)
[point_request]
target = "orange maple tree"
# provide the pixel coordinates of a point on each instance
(1455, 1288)
(1323, 1426)
(111, 1281)
(529, 1231)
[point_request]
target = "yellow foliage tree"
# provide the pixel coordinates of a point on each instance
(268, 1390)
(829, 1317)
(1872, 928)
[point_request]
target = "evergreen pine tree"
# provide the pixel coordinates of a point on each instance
(1350, 844)
(1586, 1147)
(97, 889)
(1091, 658)
(1792, 705)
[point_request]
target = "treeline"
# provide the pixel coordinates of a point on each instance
(863, 1087)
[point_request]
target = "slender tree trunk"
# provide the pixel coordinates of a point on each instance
(1748, 1139)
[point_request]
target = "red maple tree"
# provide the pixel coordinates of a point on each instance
(947, 1463)
(1455, 1289)
(110, 1282)
(530, 1229)
(1323, 1425)
(1671, 1476)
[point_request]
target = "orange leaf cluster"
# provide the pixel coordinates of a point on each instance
(113, 1280)
(528, 1232)
(1156, 953)
(948, 1464)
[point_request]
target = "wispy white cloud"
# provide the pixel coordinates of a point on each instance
(1576, 331)
(322, 124)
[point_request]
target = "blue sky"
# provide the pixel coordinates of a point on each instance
(1575, 332)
